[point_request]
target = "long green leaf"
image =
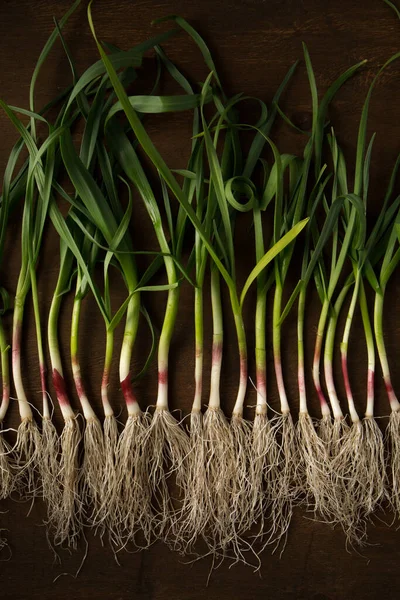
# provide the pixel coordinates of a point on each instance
(271, 254)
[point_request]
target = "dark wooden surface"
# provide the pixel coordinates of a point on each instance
(255, 42)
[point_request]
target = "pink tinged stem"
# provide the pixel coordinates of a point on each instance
(378, 326)
(62, 396)
(163, 377)
(347, 386)
(45, 399)
(5, 402)
(370, 393)
(80, 390)
(302, 386)
(43, 380)
(130, 398)
(5, 374)
(325, 410)
(238, 408)
(330, 384)
(281, 386)
(162, 394)
(6, 395)
(107, 408)
(214, 401)
(198, 388)
(61, 389)
(391, 393)
(198, 378)
(24, 408)
(261, 381)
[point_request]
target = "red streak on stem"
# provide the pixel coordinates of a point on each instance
(346, 378)
(371, 378)
(317, 385)
(80, 388)
(43, 378)
(105, 378)
(389, 389)
(321, 396)
(199, 388)
(16, 343)
(301, 382)
(243, 368)
(6, 392)
(216, 353)
(127, 390)
(60, 388)
(261, 379)
(163, 377)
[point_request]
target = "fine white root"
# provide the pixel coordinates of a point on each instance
(129, 498)
(194, 509)
(350, 482)
(288, 478)
(375, 492)
(92, 471)
(265, 460)
(315, 468)
(7, 476)
(332, 433)
(168, 446)
(340, 431)
(27, 452)
(220, 468)
(393, 440)
(66, 519)
(325, 431)
(242, 483)
(49, 466)
(109, 476)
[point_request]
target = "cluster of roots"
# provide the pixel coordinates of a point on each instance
(225, 488)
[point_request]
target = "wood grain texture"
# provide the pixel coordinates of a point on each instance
(254, 42)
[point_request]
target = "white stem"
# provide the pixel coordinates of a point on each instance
(215, 401)
(25, 410)
(330, 386)
(198, 378)
(302, 388)
(107, 408)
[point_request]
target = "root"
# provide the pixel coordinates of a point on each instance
(220, 470)
(288, 478)
(374, 468)
(66, 519)
(340, 431)
(332, 433)
(315, 466)
(264, 458)
(242, 483)
(194, 510)
(393, 439)
(27, 451)
(7, 476)
(168, 446)
(109, 476)
(92, 472)
(350, 482)
(325, 431)
(49, 466)
(129, 496)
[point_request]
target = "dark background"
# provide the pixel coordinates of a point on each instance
(254, 42)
